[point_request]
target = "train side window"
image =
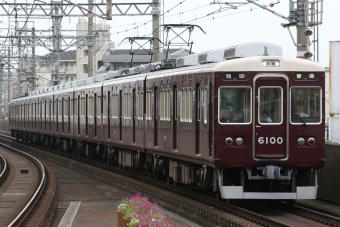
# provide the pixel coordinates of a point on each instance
(205, 104)
(66, 107)
(186, 102)
(60, 106)
(98, 107)
(234, 105)
(167, 109)
(129, 105)
(140, 105)
(82, 107)
(39, 111)
(148, 105)
(162, 106)
(75, 107)
(115, 106)
(47, 103)
(126, 106)
(165, 104)
(104, 106)
(181, 104)
(90, 106)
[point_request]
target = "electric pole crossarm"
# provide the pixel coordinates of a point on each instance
(265, 8)
(75, 10)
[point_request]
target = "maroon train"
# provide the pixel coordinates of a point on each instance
(249, 127)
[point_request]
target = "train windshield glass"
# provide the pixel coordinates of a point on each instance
(305, 105)
(270, 105)
(234, 105)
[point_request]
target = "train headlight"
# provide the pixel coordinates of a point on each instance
(270, 63)
(311, 141)
(229, 141)
(301, 141)
(239, 141)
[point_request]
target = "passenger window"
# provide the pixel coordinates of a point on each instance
(165, 105)
(148, 105)
(105, 106)
(140, 105)
(82, 107)
(234, 105)
(186, 104)
(205, 104)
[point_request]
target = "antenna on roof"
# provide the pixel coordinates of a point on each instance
(265, 51)
(148, 40)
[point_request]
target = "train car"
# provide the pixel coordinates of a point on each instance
(244, 121)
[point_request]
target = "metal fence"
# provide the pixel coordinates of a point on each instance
(329, 177)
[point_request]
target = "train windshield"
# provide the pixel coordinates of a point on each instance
(305, 105)
(234, 105)
(270, 105)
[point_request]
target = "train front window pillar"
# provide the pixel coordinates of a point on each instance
(234, 105)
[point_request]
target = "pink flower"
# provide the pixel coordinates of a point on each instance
(143, 213)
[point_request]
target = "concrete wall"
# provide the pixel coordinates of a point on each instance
(329, 177)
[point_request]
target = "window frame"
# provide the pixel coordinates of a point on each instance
(250, 105)
(290, 107)
(259, 102)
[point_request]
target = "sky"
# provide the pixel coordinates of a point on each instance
(230, 27)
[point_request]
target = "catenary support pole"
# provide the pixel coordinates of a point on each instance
(156, 32)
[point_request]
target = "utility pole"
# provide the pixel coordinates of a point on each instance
(8, 82)
(302, 25)
(9, 72)
(155, 30)
(33, 63)
(90, 41)
(56, 18)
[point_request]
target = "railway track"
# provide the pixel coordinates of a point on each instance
(203, 210)
(26, 188)
(309, 214)
(194, 206)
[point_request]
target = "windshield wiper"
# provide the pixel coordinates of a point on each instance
(298, 115)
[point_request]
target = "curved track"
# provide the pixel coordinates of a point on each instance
(23, 189)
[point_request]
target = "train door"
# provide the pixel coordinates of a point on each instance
(120, 115)
(155, 112)
(174, 120)
(197, 118)
(86, 115)
(270, 117)
(134, 116)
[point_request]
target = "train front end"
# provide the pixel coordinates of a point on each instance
(269, 127)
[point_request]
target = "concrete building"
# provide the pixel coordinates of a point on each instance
(102, 46)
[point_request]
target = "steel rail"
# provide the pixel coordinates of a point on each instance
(4, 171)
(25, 211)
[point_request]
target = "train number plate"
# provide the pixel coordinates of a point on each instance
(270, 140)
